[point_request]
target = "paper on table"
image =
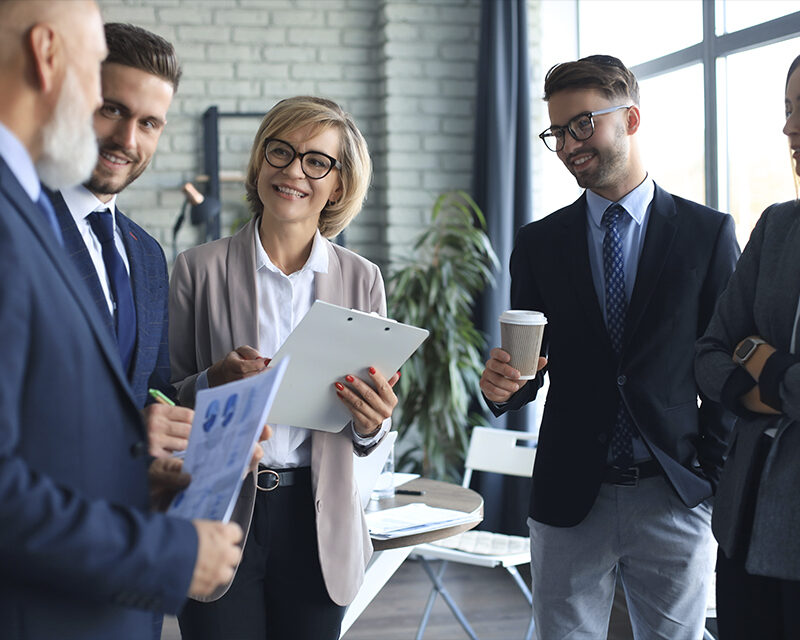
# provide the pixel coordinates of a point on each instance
(401, 478)
(413, 519)
(227, 422)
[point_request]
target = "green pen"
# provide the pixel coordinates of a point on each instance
(160, 397)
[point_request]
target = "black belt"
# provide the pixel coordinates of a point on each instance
(271, 479)
(630, 476)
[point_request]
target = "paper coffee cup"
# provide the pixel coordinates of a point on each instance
(521, 336)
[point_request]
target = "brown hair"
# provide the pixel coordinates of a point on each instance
(135, 47)
(355, 174)
(605, 73)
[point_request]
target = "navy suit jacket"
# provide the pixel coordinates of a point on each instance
(688, 255)
(150, 284)
(80, 556)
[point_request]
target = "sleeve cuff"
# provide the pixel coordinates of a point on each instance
(367, 441)
(737, 384)
(771, 376)
(201, 382)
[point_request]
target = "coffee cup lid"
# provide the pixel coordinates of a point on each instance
(522, 316)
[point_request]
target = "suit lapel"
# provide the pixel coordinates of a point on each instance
(784, 307)
(139, 281)
(79, 255)
(57, 256)
(241, 286)
(329, 287)
(658, 240)
(577, 248)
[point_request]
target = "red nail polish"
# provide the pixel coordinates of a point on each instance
(398, 375)
(372, 371)
(349, 378)
(267, 361)
(339, 394)
(340, 386)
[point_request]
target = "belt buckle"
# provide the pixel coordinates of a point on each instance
(627, 477)
(275, 475)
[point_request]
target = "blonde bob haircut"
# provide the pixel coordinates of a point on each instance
(355, 174)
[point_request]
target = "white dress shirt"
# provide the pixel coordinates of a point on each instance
(282, 302)
(81, 202)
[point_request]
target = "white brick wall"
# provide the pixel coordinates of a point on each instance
(405, 69)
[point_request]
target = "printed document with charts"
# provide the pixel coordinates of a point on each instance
(227, 422)
(412, 519)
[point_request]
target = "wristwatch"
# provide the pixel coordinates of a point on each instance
(745, 350)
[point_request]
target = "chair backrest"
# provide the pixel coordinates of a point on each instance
(499, 451)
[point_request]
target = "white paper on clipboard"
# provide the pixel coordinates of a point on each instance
(329, 343)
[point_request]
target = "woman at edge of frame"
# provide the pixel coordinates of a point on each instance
(748, 360)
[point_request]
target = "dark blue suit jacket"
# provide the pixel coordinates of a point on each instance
(150, 283)
(688, 255)
(80, 556)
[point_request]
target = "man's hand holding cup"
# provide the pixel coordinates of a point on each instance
(509, 369)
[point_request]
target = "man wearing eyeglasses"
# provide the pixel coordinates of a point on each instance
(628, 458)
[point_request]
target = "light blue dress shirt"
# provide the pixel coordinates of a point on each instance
(18, 159)
(632, 229)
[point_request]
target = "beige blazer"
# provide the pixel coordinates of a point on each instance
(213, 310)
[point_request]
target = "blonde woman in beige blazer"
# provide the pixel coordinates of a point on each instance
(232, 302)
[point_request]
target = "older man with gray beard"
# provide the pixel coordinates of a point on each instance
(81, 555)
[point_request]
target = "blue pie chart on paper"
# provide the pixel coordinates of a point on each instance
(230, 409)
(211, 416)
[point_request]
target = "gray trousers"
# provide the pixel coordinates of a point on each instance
(662, 550)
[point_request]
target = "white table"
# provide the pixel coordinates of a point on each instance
(390, 554)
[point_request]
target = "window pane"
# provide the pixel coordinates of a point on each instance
(672, 131)
(755, 168)
(733, 15)
(626, 30)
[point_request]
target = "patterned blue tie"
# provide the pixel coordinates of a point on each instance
(46, 208)
(102, 224)
(616, 310)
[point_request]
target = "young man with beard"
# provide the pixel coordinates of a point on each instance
(627, 277)
(127, 274)
(81, 555)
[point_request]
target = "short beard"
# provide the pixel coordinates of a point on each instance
(69, 151)
(611, 166)
(98, 185)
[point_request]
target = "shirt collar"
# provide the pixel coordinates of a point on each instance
(18, 159)
(317, 260)
(81, 202)
(635, 202)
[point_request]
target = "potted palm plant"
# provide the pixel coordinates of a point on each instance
(435, 288)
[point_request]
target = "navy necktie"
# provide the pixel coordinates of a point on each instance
(46, 207)
(616, 310)
(102, 224)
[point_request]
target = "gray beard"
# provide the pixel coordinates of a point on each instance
(69, 151)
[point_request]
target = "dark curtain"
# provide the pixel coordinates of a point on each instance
(502, 188)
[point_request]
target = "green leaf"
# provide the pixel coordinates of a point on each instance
(435, 287)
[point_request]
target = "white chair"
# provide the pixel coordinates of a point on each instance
(495, 451)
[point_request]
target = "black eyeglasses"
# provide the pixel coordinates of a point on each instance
(581, 128)
(315, 164)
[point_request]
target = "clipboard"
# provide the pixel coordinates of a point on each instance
(329, 343)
